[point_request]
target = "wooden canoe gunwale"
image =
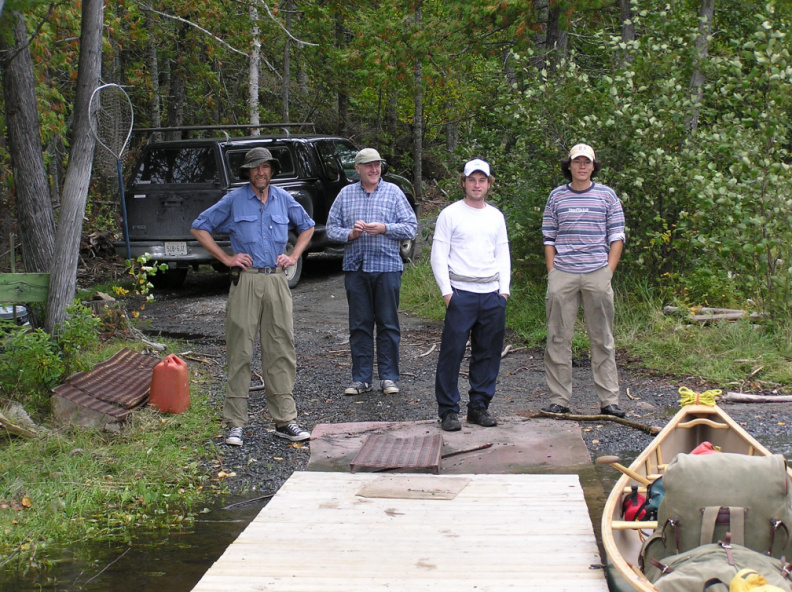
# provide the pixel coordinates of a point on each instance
(685, 428)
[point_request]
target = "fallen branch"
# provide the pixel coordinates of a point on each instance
(651, 430)
(746, 398)
(250, 501)
(15, 430)
(510, 350)
(426, 353)
(474, 449)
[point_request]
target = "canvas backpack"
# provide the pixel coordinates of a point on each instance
(710, 495)
(710, 568)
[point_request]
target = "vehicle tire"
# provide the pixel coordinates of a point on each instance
(407, 249)
(293, 273)
(169, 278)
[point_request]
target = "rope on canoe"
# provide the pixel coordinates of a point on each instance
(689, 397)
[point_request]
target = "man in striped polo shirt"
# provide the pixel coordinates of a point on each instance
(583, 229)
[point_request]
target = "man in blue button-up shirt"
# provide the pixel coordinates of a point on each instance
(372, 218)
(257, 218)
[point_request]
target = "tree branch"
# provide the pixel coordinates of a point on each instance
(192, 24)
(277, 22)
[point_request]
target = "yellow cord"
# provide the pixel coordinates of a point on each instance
(688, 397)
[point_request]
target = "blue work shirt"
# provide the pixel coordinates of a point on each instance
(387, 204)
(259, 230)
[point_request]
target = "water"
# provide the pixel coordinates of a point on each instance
(166, 560)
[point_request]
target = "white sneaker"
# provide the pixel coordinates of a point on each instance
(292, 432)
(389, 387)
(234, 437)
(357, 388)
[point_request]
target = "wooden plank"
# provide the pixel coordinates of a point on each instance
(501, 532)
(24, 287)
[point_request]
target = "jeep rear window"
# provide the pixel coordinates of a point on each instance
(188, 164)
(236, 157)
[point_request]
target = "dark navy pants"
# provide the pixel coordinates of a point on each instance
(374, 299)
(482, 318)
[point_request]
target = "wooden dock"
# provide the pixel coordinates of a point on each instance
(365, 532)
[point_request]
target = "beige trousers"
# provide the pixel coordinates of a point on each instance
(564, 294)
(260, 303)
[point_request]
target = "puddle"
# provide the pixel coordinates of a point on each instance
(165, 560)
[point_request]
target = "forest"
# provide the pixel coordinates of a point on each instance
(687, 104)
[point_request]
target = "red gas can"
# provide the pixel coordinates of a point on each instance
(170, 386)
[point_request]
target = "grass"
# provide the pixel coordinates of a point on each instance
(738, 356)
(73, 485)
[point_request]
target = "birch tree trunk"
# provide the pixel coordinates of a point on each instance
(702, 49)
(418, 116)
(287, 63)
(63, 273)
(34, 208)
(253, 73)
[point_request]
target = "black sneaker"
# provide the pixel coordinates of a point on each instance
(481, 417)
(555, 408)
(292, 432)
(450, 422)
(614, 410)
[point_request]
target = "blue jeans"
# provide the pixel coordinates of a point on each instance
(482, 318)
(374, 299)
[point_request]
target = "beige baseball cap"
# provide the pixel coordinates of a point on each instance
(582, 150)
(367, 155)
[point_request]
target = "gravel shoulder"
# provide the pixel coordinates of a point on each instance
(195, 313)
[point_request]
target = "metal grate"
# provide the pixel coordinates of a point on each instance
(382, 453)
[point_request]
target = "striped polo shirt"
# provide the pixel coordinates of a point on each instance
(581, 225)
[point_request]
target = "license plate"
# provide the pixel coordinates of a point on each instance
(175, 249)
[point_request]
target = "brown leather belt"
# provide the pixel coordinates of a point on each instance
(264, 270)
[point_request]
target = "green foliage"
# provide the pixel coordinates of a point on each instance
(33, 362)
(140, 271)
(708, 211)
(78, 333)
(79, 484)
(30, 365)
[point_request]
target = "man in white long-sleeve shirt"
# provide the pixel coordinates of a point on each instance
(472, 267)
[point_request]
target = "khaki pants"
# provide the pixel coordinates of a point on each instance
(564, 293)
(260, 303)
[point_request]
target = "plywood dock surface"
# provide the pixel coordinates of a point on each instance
(499, 532)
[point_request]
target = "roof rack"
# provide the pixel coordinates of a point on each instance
(193, 128)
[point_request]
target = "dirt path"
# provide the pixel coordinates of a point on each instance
(196, 313)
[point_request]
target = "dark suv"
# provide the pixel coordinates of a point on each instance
(173, 182)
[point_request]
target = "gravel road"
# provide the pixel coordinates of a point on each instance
(196, 313)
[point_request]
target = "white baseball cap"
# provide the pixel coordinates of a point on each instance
(477, 165)
(582, 150)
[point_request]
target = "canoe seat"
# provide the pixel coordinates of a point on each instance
(634, 524)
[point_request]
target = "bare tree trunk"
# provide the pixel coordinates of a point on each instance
(343, 97)
(34, 208)
(628, 30)
(178, 87)
(702, 49)
(392, 121)
(153, 66)
(287, 63)
(418, 116)
(452, 136)
(557, 38)
(253, 73)
(63, 274)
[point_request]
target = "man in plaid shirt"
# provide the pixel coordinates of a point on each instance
(371, 218)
